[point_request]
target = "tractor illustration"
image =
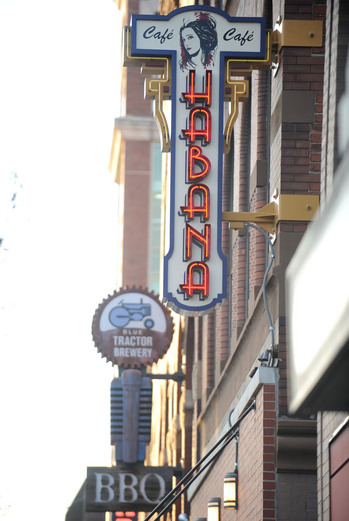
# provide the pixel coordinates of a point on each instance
(125, 312)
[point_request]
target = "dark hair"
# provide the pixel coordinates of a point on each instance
(205, 28)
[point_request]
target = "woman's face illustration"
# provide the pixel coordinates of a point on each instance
(191, 41)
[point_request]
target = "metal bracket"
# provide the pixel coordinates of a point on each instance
(298, 33)
(157, 84)
(178, 377)
(237, 90)
(286, 207)
(295, 33)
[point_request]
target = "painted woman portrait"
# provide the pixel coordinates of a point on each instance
(198, 40)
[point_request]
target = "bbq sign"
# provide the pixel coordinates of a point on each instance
(195, 42)
(132, 328)
(132, 487)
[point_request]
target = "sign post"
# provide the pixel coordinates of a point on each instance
(132, 329)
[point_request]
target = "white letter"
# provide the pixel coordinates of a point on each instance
(142, 484)
(123, 487)
(100, 486)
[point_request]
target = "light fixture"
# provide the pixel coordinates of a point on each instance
(230, 488)
(214, 509)
(230, 491)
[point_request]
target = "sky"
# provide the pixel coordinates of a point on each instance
(59, 95)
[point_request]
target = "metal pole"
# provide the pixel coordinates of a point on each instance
(226, 438)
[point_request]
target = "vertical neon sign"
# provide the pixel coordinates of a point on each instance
(198, 39)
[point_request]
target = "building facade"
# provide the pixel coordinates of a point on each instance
(239, 353)
(329, 379)
(284, 143)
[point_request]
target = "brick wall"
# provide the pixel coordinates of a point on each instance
(241, 203)
(136, 105)
(197, 388)
(297, 497)
(337, 28)
(136, 213)
(256, 467)
(138, 177)
(259, 179)
(327, 424)
(222, 313)
(208, 355)
(282, 352)
(302, 76)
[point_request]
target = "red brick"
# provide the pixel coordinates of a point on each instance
(268, 458)
(268, 513)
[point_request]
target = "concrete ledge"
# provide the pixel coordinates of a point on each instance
(133, 128)
(296, 445)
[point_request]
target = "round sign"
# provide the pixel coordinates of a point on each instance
(132, 328)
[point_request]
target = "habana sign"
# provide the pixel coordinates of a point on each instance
(198, 40)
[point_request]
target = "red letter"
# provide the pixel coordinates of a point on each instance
(195, 155)
(203, 287)
(192, 97)
(190, 209)
(201, 240)
(193, 133)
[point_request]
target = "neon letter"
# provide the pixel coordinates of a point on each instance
(201, 239)
(192, 97)
(193, 133)
(195, 155)
(190, 209)
(203, 287)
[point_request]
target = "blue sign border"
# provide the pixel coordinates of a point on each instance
(173, 301)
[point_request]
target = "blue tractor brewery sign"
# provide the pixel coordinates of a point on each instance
(131, 328)
(189, 52)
